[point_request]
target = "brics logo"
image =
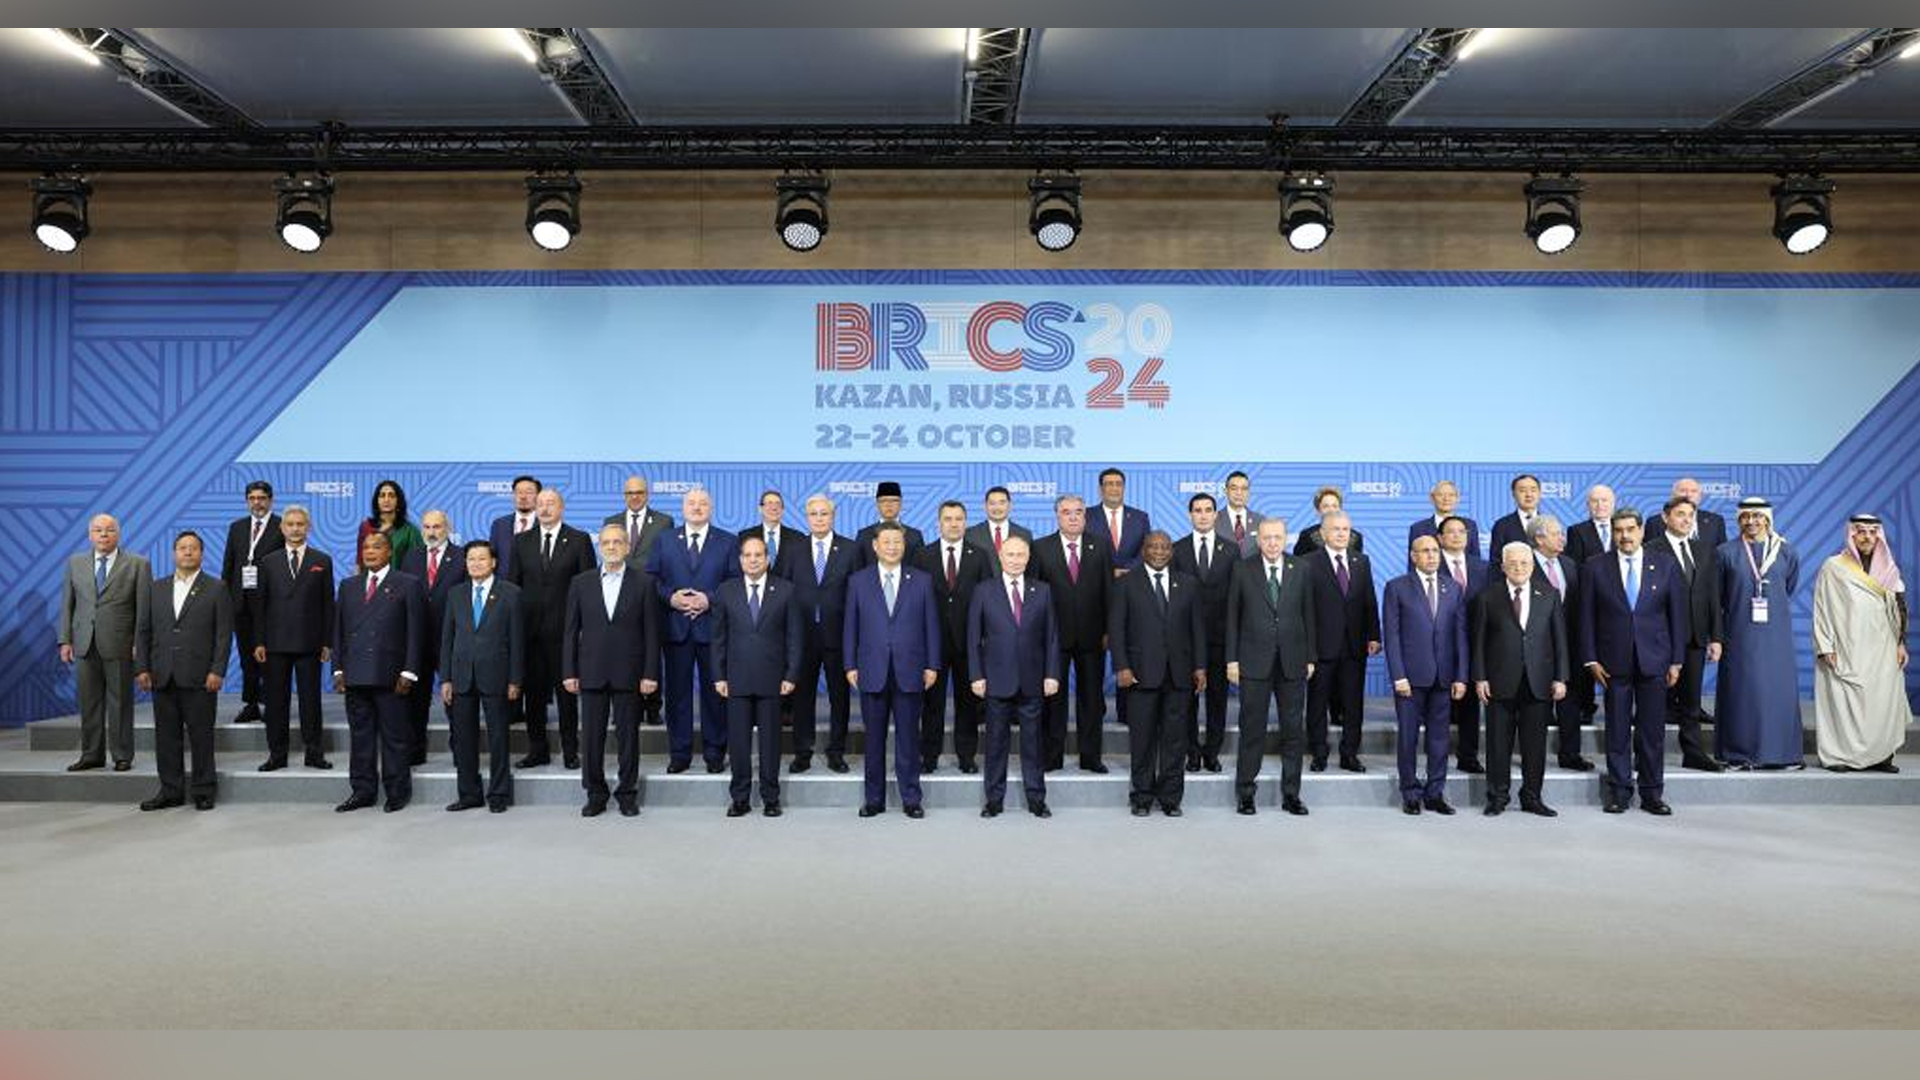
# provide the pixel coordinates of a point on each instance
(1000, 336)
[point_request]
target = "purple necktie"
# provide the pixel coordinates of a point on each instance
(1340, 573)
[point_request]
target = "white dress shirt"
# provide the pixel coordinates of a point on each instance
(610, 588)
(181, 587)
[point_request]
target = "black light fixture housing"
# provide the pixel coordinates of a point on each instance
(60, 212)
(800, 210)
(1306, 210)
(553, 210)
(1053, 211)
(304, 210)
(1553, 213)
(1802, 213)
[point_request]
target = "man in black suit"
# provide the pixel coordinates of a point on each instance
(1594, 536)
(505, 528)
(821, 591)
(1526, 504)
(1554, 570)
(483, 664)
(1518, 647)
(1012, 637)
(644, 525)
(1700, 569)
(955, 567)
(1077, 571)
(999, 524)
(1708, 527)
(442, 565)
(1209, 559)
(888, 503)
(1157, 634)
(1270, 651)
(1347, 626)
(783, 554)
(180, 655)
(379, 632)
(249, 541)
(293, 614)
(756, 664)
(609, 655)
(546, 559)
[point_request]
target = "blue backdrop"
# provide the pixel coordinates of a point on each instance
(158, 397)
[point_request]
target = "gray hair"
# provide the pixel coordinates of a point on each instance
(296, 508)
(1512, 546)
(1540, 526)
(1067, 498)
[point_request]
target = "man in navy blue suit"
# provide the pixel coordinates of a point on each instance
(892, 645)
(610, 655)
(1423, 619)
(756, 664)
(1444, 495)
(507, 526)
(686, 566)
(1469, 573)
(1013, 653)
(441, 565)
(1113, 509)
(1633, 637)
(821, 583)
(379, 632)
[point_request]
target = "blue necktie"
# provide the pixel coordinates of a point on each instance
(753, 603)
(1633, 581)
(100, 576)
(819, 570)
(889, 590)
(773, 546)
(479, 605)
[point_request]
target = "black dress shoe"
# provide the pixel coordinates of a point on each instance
(739, 809)
(1473, 767)
(915, 812)
(594, 808)
(800, 765)
(1886, 766)
(992, 809)
(394, 806)
(1352, 764)
(247, 715)
(319, 763)
(497, 806)
(532, 761)
(272, 765)
(1141, 811)
(1173, 811)
(1440, 806)
(771, 809)
(677, 766)
(716, 767)
(1210, 762)
(1494, 809)
(1038, 808)
(837, 762)
(1614, 806)
(1656, 807)
(1410, 807)
(1245, 807)
(1094, 767)
(1702, 764)
(83, 766)
(571, 761)
(969, 766)
(354, 802)
(872, 809)
(1294, 807)
(929, 765)
(417, 760)
(458, 805)
(1193, 762)
(160, 802)
(122, 766)
(629, 808)
(1318, 764)
(1537, 809)
(203, 802)
(1576, 763)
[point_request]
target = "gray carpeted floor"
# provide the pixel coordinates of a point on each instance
(295, 916)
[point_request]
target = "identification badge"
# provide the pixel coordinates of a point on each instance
(1759, 609)
(249, 577)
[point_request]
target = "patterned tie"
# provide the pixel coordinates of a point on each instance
(753, 604)
(255, 542)
(773, 544)
(1340, 573)
(100, 577)
(1239, 529)
(953, 571)
(1013, 594)
(819, 561)
(888, 589)
(1073, 563)
(479, 604)
(1273, 585)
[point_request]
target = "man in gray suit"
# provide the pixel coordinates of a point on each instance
(991, 533)
(1270, 651)
(102, 601)
(180, 649)
(483, 664)
(1239, 522)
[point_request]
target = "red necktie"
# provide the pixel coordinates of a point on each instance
(256, 536)
(1073, 563)
(433, 566)
(371, 582)
(996, 539)
(1460, 574)
(1013, 593)
(1239, 529)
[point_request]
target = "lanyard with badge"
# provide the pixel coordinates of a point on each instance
(1758, 608)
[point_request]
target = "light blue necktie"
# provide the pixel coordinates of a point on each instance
(100, 576)
(887, 587)
(773, 546)
(479, 604)
(819, 561)
(1633, 581)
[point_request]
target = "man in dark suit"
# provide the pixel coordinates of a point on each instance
(887, 503)
(999, 524)
(687, 566)
(379, 632)
(546, 559)
(1633, 637)
(783, 553)
(1594, 536)
(644, 526)
(1424, 628)
(441, 565)
(1014, 658)
(1077, 570)
(1208, 558)
(1708, 527)
(293, 613)
(609, 655)
(756, 665)
(180, 654)
(954, 567)
(103, 597)
(506, 527)
(1469, 574)
(1348, 630)
(821, 591)
(1553, 569)
(1242, 522)
(1157, 633)
(1700, 570)
(1117, 527)
(1519, 662)
(892, 645)
(1445, 496)
(249, 541)
(1270, 651)
(1526, 503)
(1326, 501)
(483, 664)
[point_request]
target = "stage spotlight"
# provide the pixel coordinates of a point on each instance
(1053, 213)
(553, 210)
(304, 216)
(1306, 210)
(1553, 213)
(1802, 212)
(800, 213)
(60, 212)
